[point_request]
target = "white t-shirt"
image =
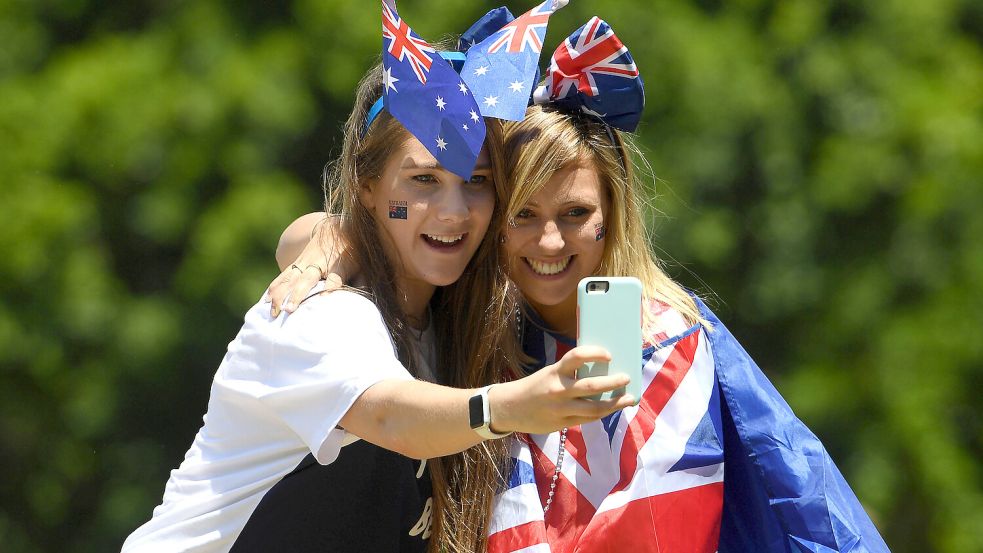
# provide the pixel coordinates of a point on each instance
(278, 396)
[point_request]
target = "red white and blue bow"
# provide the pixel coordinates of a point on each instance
(593, 72)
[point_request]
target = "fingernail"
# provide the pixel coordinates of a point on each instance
(273, 312)
(289, 307)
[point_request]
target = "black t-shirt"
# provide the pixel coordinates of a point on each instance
(369, 499)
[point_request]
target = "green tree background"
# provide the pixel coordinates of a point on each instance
(819, 171)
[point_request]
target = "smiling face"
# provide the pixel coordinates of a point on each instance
(556, 240)
(430, 220)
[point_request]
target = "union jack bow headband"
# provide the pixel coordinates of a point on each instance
(441, 108)
(593, 72)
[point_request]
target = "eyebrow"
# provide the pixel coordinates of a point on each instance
(410, 163)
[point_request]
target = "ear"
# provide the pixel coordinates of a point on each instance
(366, 195)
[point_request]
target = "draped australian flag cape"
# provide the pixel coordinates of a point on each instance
(783, 492)
(712, 459)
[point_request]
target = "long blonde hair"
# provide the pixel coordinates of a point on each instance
(549, 140)
(474, 318)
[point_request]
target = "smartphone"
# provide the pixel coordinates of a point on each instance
(609, 314)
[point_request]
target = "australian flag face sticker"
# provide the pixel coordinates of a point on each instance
(397, 210)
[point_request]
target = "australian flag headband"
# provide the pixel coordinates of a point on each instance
(590, 72)
(443, 109)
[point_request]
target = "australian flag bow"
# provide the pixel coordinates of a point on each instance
(503, 58)
(593, 72)
(424, 93)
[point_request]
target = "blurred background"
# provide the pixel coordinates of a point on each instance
(819, 174)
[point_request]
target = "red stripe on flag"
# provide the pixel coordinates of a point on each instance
(569, 513)
(575, 439)
(654, 399)
(685, 521)
(576, 447)
(518, 537)
(561, 349)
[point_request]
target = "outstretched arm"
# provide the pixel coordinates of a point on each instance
(424, 420)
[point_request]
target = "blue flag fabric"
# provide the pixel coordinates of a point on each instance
(501, 69)
(782, 491)
(483, 28)
(424, 93)
(593, 72)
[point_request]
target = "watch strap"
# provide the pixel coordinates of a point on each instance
(479, 413)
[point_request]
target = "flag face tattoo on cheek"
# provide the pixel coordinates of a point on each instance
(599, 231)
(397, 209)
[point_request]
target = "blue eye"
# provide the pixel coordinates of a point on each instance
(578, 212)
(524, 214)
(479, 180)
(426, 178)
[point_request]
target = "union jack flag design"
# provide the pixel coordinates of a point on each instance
(405, 45)
(648, 478)
(424, 93)
(501, 69)
(526, 32)
(594, 72)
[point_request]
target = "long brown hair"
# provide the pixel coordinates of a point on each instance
(474, 318)
(550, 139)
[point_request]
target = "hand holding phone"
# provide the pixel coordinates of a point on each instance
(609, 314)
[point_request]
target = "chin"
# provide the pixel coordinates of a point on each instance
(545, 297)
(444, 279)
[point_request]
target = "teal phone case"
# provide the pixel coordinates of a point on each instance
(612, 319)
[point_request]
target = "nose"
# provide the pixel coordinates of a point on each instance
(452, 205)
(551, 239)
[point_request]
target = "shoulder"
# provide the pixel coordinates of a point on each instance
(339, 317)
(342, 307)
(322, 321)
(663, 323)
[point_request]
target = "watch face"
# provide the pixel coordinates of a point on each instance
(476, 411)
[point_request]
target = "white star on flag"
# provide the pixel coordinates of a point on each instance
(481, 70)
(474, 116)
(441, 103)
(465, 126)
(516, 86)
(441, 144)
(491, 101)
(464, 89)
(389, 80)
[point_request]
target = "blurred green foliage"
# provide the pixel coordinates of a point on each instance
(819, 165)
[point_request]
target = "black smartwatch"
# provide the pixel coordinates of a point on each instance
(479, 413)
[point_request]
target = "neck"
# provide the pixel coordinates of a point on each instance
(561, 317)
(413, 298)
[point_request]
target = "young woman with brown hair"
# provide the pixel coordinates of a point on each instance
(313, 420)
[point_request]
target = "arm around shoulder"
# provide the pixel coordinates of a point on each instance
(295, 237)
